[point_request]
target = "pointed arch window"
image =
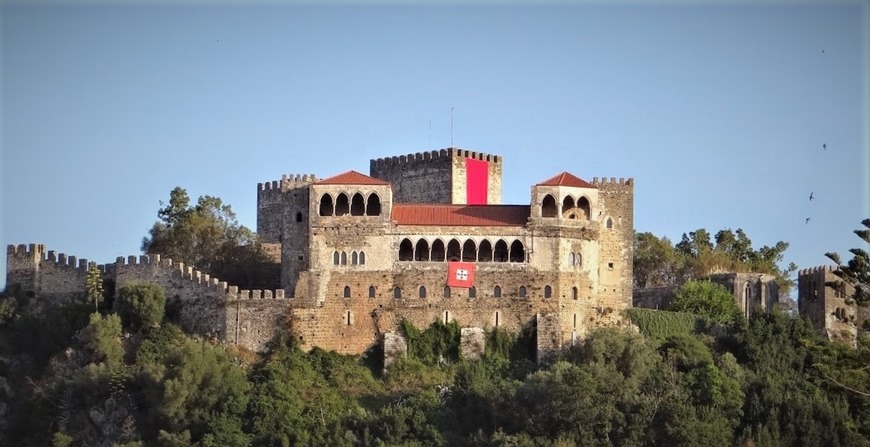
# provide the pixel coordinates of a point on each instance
(397, 293)
(298, 217)
(354, 258)
(335, 257)
(549, 207)
(574, 293)
(485, 253)
(609, 223)
(422, 292)
(347, 291)
(342, 205)
(406, 250)
(500, 254)
(548, 291)
(568, 208)
(362, 258)
(343, 258)
(517, 253)
(357, 205)
(583, 204)
(496, 292)
(373, 205)
(421, 252)
(438, 252)
(522, 292)
(446, 292)
(372, 291)
(469, 251)
(326, 206)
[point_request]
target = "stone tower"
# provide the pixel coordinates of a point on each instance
(449, 175)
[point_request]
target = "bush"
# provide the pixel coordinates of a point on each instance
(141, 305)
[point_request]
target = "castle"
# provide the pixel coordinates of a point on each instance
(826, 300)
(359, 253)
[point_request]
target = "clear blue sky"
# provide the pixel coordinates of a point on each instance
(718, 112)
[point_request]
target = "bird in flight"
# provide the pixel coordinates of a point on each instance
(807, 221)
(811, 197)
(825, 146)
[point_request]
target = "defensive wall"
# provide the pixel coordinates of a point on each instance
(205, 305)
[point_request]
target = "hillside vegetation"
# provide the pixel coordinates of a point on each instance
(75, 377)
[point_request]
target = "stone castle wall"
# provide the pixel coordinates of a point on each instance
(206, 306)
(826, 300)
(436, 176)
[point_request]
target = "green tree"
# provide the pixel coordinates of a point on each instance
(655, 261)
(94, 285)
(102, 336)
(707, 299)
(208, 237)
(141, 305)
(857, 271)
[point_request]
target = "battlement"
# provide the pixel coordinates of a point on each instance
(235, 293)
(288, 181)
(815, 270)
(435, 154)
(603, 181)
(35, 250)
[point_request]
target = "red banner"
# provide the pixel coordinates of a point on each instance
(476, 181)
(460, 274)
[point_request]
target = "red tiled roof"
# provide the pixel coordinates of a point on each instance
(351, 178)
(566, 179)
(461, 215)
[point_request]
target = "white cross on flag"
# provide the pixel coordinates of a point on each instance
(460, 274)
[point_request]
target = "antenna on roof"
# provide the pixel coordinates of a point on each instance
(451, 127)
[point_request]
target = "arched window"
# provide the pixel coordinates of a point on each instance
(373, 207)
(548, 291)
(568, 208)
(438, 253)
(422, 292)
(579, 259)
(484, 253)
(500, 254)
(347, 291)
(446, 292)
(548, 207)
(298, 217)
(421, 252)
(406, 250)
(335, 258)
(326, 206)
(496, 292)
(397, 293)
(583, 204)
(371, 291)
(472, 292)
(342, 205)
(517, 253)
(609, 223)
(454, 250)
(522, 292)
(354, 258)
(362, 258)
(570, 258)
(357, 205)
(343, 258)
(469, 251)
(574, 293)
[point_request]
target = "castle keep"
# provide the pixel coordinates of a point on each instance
(359, 253)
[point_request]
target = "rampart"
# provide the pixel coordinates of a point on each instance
(203, 305)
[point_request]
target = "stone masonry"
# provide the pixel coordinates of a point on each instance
(827, 301)
(359, 253)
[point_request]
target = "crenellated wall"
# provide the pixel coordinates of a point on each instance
(437, 176)
(826, 301)
(205, 305)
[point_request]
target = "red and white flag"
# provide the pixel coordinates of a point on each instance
(460, 274)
